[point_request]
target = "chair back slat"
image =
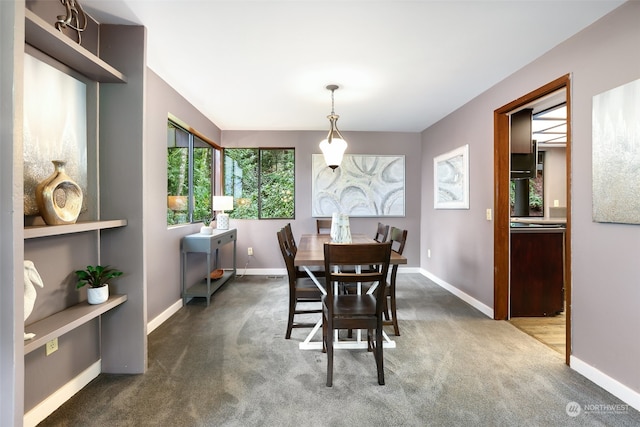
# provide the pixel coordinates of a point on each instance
(398, 238)
(381, 233)
(323, 226)
(288, 232)
(287, 254)
(337, 255)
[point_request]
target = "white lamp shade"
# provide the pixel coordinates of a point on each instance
(333, 151)
(222, 203)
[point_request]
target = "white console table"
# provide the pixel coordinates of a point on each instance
(211, 245)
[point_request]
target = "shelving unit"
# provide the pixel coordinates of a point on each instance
(42, 36)
(120, 342)
(36, 231)
(60, 323)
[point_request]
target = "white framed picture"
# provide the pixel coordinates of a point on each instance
(451, 179)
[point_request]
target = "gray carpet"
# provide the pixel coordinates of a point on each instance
(229, 365)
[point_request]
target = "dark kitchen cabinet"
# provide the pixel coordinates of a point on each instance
(537, 272)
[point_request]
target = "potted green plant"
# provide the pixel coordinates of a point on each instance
(96, 278)
(206, 228)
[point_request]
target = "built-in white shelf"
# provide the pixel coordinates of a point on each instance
(66, 320)
(35, 231)
(43, 36)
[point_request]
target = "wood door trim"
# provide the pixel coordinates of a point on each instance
(501, 151)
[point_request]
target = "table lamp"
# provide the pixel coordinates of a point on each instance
(177, 203)
(222, 203)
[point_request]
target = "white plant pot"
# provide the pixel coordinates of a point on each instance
(98, 295)
(206, 230)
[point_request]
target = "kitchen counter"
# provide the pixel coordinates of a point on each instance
(538, 225)
(543, 220)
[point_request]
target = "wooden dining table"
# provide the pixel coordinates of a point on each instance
(310, 254)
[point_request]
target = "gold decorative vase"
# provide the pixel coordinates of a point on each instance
(58, 197)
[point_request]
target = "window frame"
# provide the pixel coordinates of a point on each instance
(195, 140)
(259, 151)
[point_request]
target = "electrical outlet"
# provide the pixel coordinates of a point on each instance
(250, 251)
(51, 346)
(488, 214)
(428, 253)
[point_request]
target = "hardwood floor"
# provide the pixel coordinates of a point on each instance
(548, 330)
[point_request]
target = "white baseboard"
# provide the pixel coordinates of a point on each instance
(621, 391)
(45, 408)
(482, 307)
(261, 272)
(283, 271)
(162, 317)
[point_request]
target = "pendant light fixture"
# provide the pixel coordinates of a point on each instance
(334, 145)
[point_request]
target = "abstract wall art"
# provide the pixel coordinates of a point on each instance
(363, 186)
(616, 155)
(55, 127)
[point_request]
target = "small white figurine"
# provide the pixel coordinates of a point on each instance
(31, 278)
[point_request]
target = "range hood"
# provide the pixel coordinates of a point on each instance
(524, 152)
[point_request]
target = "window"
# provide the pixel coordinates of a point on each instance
(190, 176)
(261, 181)
(529, 192)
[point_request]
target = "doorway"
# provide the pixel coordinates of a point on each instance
(502, 204)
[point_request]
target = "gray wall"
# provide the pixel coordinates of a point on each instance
(162, 244)
(261, 234)
(606, 292)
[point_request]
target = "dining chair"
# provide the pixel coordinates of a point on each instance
(398, 238)
(302, 289)
(293, 246)
(323, 226)
(359, 311)
(381, 233)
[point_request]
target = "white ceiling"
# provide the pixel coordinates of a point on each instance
(401, 65)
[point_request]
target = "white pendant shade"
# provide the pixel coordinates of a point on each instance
(333, 151)
(334, 145)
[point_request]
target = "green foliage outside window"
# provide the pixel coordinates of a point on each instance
(536, 201)
(202, 183)
(261, 181)
(189, 177)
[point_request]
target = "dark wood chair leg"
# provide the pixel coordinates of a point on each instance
(292, 310)
(324, 333)
(379, 356)
(329, 343)
(394, 316)
(385, 310)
